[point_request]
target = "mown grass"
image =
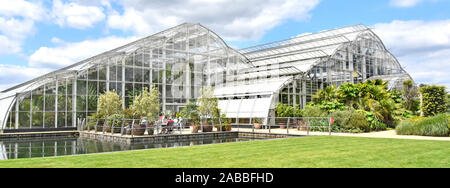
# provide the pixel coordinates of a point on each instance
(309, 152)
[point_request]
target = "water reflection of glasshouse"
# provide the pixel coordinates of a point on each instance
(181, 60)
(52, 147)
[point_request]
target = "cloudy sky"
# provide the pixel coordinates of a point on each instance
(38, 36)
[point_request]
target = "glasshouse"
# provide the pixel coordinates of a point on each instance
(248, 83)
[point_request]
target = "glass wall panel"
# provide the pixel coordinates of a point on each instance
(62, 103)
(119, 72)
(24, 119)
(49, 119)
(93, 88)
(138, 75)
(146, 76)
(102, 73)
(61, 120)
(81, 87)
(37, 121)
(93, 73)
(50, 103)
(69, 119)
(113, 73)
(101, 88)
(129, 74)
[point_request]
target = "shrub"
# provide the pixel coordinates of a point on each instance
(431, 126)
(448, 103)
(378, 126)
(358, 121)
(257, 121)
(147, 103)
(95, 119)
(351, 120)
(331, 106)
(407, 128)
(109, 103)
(117, 119)
(448, 119)
(433, 100)
(284, 110)
(411, 95)
(320, 125)
(313, 111)
(342, 117)
(208, 105)
(190, 112)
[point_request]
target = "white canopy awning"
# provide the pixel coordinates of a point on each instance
(5, 102)
(251, 100)
(255, 87)
(246, 108)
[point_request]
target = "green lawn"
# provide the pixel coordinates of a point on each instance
(319, 151)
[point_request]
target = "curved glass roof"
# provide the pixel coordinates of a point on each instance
(153, 41)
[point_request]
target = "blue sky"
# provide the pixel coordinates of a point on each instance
(38, 36)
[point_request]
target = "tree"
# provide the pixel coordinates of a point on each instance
(327, 94)
(147, 103)
(109, 103)
(190, 112)
(410, 95)
(208, 104)
(349, 94)
(448, 103)
(434, 99)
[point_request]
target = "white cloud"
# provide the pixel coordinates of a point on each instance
(415, 36)
(232, 19)
(404, 3)
(25, 9)
(75, 15)
(68, 53)
(8, 46)
(423, 47)
(131, 20)
(48, 59)
(408, 3)
(15, 28)
(8, 74)
(17, 20)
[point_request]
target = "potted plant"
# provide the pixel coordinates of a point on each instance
(95, 119)
(190, 115)
(223, 123)
(226, 123)
(146, 105)
(208, 108)
(302, 125)
(133, 123)
(195, 126)
(129, 116)
(114, 122)
(109, 104)
(151, 128)
(257, 123)
(283, 112)
(138, 130)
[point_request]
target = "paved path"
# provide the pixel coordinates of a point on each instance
(381, 134)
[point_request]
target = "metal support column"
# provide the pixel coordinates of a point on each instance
(56, 103)
(74, 101)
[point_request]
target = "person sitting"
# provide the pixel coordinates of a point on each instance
(162, 124)
(144, 122)
(170, 124)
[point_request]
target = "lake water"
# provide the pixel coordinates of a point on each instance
(75, 146)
